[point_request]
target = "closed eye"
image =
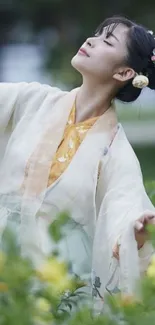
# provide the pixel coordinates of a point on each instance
(107, 43)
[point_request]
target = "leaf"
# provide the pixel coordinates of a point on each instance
(56, 227)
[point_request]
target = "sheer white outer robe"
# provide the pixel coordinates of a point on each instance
(104, 208)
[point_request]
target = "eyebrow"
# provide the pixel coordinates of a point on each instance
(111, 34)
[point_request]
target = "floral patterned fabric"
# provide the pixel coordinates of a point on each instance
(74, 134)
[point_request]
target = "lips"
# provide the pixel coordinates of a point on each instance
(83, 51)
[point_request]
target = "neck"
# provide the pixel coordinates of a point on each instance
(92, 100)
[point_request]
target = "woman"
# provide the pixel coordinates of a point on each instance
(68, 152)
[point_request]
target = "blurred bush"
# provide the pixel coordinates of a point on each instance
(51, 295)
(36, 296)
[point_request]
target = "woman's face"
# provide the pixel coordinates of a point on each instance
(102, 57)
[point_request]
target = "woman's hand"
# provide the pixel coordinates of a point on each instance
(141, 233)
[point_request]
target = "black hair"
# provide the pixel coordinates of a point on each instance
(140, 46)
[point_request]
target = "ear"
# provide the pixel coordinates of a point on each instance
(124, 74)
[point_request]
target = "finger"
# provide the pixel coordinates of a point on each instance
(143, 221)
(150, 219)
(116, 255)
(139, 225)
(145, 217)
(116, 252)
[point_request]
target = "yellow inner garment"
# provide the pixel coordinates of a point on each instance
(73, 136)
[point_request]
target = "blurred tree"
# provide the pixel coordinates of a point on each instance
(73, 21)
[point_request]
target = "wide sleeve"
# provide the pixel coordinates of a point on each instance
(121, 199)
(16, 97)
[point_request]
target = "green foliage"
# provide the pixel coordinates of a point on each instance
(46, 295)
(146, 156)
(33, 297)
(49, 295)
(150, 188)
(56, 228)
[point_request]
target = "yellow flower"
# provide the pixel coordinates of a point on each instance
(151, 268)
(151, 271)
(153, 260)
(43, 305)
(127, 300)
(3, 287)
(55, 273)
(42, 308)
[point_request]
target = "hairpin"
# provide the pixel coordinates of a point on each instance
(150, 32)
(153, 56)
(140, 81)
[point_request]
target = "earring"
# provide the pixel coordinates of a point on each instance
(140, 81)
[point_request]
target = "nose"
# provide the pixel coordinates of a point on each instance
(90, 42)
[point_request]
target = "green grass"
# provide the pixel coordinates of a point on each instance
(146, 156)
(131, 115)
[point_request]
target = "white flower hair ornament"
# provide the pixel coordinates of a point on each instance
(140, 81)
(151, 32)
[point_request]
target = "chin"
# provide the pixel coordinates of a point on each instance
(78, 62)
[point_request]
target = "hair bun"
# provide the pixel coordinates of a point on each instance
(140, 81)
